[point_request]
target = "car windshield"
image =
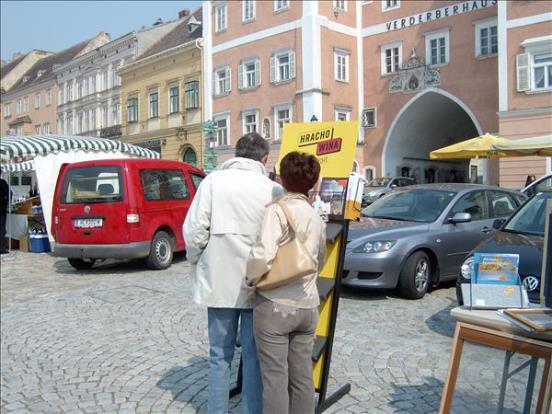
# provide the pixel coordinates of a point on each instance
(411, 205)
(379, 182)
(529, 219)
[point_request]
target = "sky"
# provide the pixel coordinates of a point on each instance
(56, 25)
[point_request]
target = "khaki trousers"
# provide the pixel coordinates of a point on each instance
(284, 338)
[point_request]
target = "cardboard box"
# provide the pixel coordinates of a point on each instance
(24, 244)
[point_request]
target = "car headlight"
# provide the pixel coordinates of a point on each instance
(375, 246)
(467, 268)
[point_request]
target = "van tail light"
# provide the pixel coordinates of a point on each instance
(132, 216)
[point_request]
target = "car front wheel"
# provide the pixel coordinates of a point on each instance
(415, 276)
(80, 264)
(161, 252)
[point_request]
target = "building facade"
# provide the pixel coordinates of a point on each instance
(89, 86)
(418, 75)
(29, 106)
(525, 82)
(13, 71)
(161, 94)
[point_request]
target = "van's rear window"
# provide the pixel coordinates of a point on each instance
(97, 184)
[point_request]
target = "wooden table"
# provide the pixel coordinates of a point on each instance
(488, 328)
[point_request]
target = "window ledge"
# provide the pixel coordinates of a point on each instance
(389, 74)
(390, 8)
(221, 95)
(253, 88)
(482, 57)
(282, 10)
(537, 91)
(248, 21)
(153, 118)
(438, 65)
(174, 114)
(342, 81)
(221, 31)
(283, 82)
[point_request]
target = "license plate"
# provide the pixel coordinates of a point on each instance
(88, 223)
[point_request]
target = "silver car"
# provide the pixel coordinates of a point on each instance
(378, 187)
(419, 236)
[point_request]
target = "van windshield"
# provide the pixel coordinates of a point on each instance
(96, 184)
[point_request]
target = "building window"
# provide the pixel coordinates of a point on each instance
(281, 5)
(220, 18)
(69, 91)
(48, 97)
(282, 116)
(105, 115)
(341, 63)
(153, 104)
(250, 121)
(486, 38)
(369, 173)
(92, 116)
(174, 99)
(249, 74)
(37, 129)
(192, 94)
(437, 48)
(92, 85)
(340, 5)
(117, 111)
(26, 104)
(282, 67)
(222, 81)
(18, 107)
(221, 123)
(534, 68)
(104, 80)
(132, 109)
(7, 110)
(390, 5)
(61, 95)
(342, 114)
(46, 128)
(37, 101)
(369, 118)
(391, 56)
(248, 8)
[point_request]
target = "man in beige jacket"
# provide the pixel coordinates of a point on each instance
(221, 226)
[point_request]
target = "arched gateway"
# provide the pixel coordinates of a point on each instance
(432, 119)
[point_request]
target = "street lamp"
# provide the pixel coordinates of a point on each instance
(314, 118)
(210, 157)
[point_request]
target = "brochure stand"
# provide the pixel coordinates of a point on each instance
(329, 287)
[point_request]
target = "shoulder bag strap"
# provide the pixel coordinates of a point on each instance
(285, 209)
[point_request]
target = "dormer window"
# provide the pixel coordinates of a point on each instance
(193, 24)
(40, 73)
(26, 78)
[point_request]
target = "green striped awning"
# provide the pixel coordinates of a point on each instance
(32, 145)
(20, 166)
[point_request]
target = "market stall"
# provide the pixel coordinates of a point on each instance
(44, 155)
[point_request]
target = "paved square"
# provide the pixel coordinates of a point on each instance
(122, 338)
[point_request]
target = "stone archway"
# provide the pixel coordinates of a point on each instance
(189, 154)
(432, 119)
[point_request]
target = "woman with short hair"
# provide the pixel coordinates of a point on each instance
(285, 317)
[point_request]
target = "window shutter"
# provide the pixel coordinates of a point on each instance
(523, 72)
(240, 76)
(292, 65)
(257, 72)
(215, 92)
(229, 78)
(272, 69)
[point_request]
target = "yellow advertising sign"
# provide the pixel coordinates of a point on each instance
(333, 143)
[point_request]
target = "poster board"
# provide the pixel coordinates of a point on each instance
(337, 197)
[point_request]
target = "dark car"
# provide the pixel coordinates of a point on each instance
(522, 234)
(542, 184)
(420, 235)
(379, 187)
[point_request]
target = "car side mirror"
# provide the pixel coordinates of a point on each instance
(460, 218)
(393, 185)
(497, 224)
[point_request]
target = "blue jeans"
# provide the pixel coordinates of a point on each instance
(223, 332)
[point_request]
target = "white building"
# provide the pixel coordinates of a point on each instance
(89, 86)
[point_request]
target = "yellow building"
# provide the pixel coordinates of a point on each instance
(161, 95)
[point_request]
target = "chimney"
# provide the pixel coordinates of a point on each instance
(183, 13)
(158, 22)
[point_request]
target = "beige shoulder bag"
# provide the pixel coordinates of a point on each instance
(292, 260)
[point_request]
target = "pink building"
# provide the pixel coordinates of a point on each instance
(418, 75)
(525, 79)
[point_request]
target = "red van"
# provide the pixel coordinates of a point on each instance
(122, 209)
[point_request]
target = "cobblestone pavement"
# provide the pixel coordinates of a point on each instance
(121, 338)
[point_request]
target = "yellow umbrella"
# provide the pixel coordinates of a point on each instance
(481, 146)
(527, 146)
